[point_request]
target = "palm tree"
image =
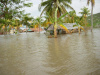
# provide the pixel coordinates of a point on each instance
(83, 19)
(85, 13)
(92, 5)
(25, 20)
(55, 8)
(72, 15)
(38, 21)
(17, 24)
(79, 24)
(51, 5)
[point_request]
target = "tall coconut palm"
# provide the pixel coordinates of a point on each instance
(92, 5)
(55, 8)
(51, 5)
(85, 13)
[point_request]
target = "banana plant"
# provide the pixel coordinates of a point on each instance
(38, 21)
(56, 21)
(55, 25)
(79, 27)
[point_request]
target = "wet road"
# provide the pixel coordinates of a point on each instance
(35, 54)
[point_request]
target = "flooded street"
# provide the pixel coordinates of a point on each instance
(35, 54)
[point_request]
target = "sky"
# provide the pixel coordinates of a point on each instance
(76, 4)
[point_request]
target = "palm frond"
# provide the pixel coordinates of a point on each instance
(62, 16)
(88, 1)
(93, 2)
(67, 1)
(43, 10)
(68, 6)
(64, 9)
(45, 3)
(60, 7)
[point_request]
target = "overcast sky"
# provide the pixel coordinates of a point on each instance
(76, 4)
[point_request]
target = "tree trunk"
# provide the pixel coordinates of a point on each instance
(92, 19)
(26, 29)
(79, 30)
(55, 24)
(55, 30)
(39, 28)
(85, 22)
(13, 30)
(85, 25)
(73, 19)
(3, 31)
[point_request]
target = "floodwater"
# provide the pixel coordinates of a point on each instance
(35, 54)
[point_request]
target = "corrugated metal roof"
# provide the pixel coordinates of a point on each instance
(70, 25)
(67, 25)
(51, 27)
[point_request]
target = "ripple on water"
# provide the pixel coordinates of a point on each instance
(34, 53)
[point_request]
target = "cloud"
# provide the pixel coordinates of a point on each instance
(78, 4)
(34, 9)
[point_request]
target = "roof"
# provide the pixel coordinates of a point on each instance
(67, 25)
(70, 25)
(51, 27)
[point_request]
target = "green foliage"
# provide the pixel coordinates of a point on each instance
(31, 26)
(26, 19)
(28, 4)
(83, 19)
(96, 20)
(50, 6)
(62, 16)
(71, 17)
(75, 25)
(5, 21)
(10, 13)
(51, 20)
(10, 9)
(85, 11)
(38, 21)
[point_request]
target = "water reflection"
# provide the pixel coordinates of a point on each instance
(35, 54)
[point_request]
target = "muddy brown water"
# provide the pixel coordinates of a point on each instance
(35, 54)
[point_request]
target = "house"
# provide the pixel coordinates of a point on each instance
(24, 29)
(62, 29)
(50, 29)
(71, 28)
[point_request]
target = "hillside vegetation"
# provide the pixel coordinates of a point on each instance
(96, 20)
